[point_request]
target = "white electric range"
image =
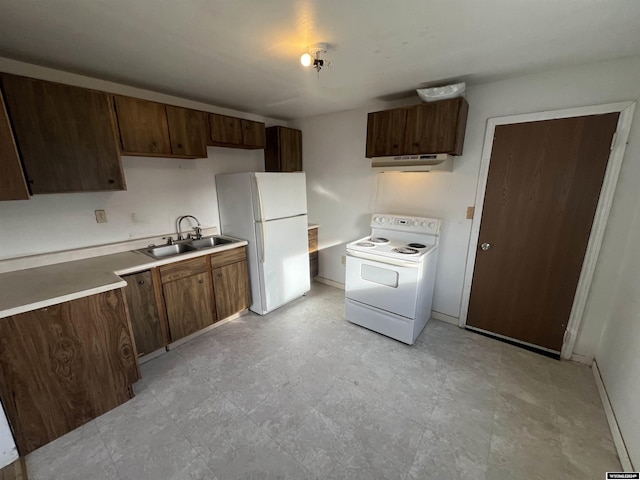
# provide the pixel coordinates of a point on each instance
(391, 274)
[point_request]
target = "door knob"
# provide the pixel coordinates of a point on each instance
(485, 246)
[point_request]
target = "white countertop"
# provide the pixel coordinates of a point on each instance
(25, 290)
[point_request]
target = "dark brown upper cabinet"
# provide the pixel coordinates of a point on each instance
(13, 185)
(144, 128)
(385, 132)
(225, 131)
(187, 131)
(253, 134)
(66, 136)
(283, 152)
(436, 127)
(151, 129)
(428, 128)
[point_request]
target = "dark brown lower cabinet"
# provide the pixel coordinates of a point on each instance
(189, 303)
(231, 287)
(64, 365)
(147, 320)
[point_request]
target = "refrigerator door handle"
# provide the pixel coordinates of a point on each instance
(259, 195)
(264, 242)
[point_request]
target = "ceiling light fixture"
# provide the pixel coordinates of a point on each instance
(313, 57)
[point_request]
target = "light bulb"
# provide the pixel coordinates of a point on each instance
(305, 59)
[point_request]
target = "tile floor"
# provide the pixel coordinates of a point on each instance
(303, 394)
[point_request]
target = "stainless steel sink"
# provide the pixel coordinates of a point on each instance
(209, 242)
(168, 250)
(164, 251)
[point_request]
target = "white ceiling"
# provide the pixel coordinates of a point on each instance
(244, 54)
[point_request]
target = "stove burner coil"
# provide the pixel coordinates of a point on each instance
(378, 240)
(365, 244)
(416, 245)
(405, 250)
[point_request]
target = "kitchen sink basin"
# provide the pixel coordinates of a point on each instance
(185, 246)
(209, 242)
(168, 250)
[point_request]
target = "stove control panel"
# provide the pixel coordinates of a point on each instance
(404, 223)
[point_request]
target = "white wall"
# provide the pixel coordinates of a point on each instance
(618, 356)
(343, 192)
(158, 189)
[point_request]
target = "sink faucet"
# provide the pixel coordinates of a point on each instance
(197, 229)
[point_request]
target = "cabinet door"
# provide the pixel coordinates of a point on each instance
(253, 134)
(436, 127)
(291, 150)
(64, 365)
(144, 129)
(66, 136)
(231, 287)
(187, 132)
(189, 303)
(385, 133)
(149, 329)
(12, 183)
(313, 252)
(224, 131)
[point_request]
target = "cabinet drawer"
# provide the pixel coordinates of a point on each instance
(313, 240)
(178, 270)
(228, 256)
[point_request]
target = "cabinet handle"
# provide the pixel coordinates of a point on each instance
(140, 282)
(111, 182)
(219, 275)
(200, 281)
(179, 145)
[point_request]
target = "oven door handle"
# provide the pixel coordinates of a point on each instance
(381, 259)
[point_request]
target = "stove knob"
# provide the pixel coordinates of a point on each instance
(432, 224)
(416, 223)
(383, 219)
(423, 224)
(376, 219)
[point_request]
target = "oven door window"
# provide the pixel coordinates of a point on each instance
(388, 287)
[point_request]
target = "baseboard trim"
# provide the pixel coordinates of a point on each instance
(331, 283)
(618, 441)
(443, 317)
(584, 359)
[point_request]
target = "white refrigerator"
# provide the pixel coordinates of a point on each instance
(270, 211)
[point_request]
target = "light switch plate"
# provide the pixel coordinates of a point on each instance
(101, 216)
(470, 212)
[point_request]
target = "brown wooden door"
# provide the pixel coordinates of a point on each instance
(385, 133)
(190, 305)
(64, 365)
(13, 185)
(187, 132)
(231, 287)
(224, 131)
(253, 134)
(149, 330)
(436, 127)
(542, 191)
(144, 129)
(66, 136)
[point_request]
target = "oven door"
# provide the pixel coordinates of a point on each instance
(383, 283)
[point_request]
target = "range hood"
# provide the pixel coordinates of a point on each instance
(441, 162)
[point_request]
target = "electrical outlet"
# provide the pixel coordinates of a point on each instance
(101, 216)
(344, 259)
